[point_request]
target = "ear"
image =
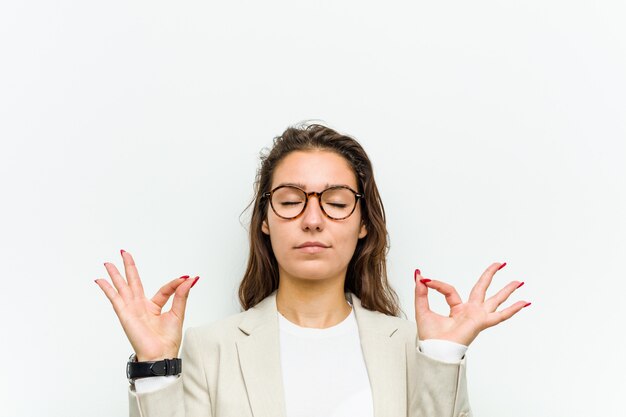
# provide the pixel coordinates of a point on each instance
(363, 231)
(265, 228)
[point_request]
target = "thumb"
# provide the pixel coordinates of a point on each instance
(180, 298)
(421, 295)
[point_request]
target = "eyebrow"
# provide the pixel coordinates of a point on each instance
(297, 184)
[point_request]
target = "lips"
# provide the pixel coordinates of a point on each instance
(309, 244)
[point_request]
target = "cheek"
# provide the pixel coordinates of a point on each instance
(279, 236)
(346, 240)
(350, 242)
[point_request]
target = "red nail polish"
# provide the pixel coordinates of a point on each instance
(527, 305)
(502, 266)
(122, 251)
(425, 280)
(417, 272)
(194, 282)
(520, 284)
(184, 277)
(105, 264)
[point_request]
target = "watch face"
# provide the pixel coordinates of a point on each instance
(132, 358)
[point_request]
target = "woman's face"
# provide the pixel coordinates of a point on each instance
(315, 170)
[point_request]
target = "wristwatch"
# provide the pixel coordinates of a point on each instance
(163, 367)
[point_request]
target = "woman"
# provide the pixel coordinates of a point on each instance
(320, 332)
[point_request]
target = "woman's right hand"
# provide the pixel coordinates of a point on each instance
(153, 336)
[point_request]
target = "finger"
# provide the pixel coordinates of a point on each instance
(421, 296)
(118, 281)
(111, 294)
(132, 275)
(452, 297)
(180, 298)
(480, 289)
(166, 291)
(501, 296)
(499, 316)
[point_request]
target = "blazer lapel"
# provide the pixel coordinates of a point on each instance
(259, 358)
(385, 359)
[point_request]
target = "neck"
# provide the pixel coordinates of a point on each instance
(312, 303)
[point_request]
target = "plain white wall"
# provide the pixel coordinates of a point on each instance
(496, 129)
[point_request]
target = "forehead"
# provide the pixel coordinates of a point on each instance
(314, 170)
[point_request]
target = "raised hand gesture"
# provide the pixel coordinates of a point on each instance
(152, 334)
(466, 319)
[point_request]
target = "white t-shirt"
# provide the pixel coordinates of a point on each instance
(324, 372)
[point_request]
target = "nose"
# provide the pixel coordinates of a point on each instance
(313, 217)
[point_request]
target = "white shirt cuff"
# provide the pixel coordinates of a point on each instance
(153, 383)
(442, 350)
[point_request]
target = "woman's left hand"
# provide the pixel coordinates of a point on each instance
(466, 320)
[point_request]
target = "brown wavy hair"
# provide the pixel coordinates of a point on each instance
(366, 275)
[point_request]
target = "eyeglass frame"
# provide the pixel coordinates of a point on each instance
(270, 194)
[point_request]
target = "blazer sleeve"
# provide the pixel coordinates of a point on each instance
(187, 396)
(436, 388)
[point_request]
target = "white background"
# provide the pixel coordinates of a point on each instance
(496, 129)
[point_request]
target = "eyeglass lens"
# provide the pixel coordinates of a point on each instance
(336, 202)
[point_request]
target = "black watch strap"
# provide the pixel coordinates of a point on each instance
(163, 367)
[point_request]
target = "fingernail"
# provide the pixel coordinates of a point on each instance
(417, 272)
(520, 284)
(184, 277)
(527, 305)
(424, 280)
(194, 282)
(502, 266)
(122, 252)
(105, 264)
(95, 280)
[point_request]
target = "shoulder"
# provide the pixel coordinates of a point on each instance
(238, 326)
(403, 331)
(406, 328)
(376, 322)
(218, 331)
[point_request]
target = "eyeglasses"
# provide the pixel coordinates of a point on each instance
(289, 202)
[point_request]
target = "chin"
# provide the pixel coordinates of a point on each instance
(312, 272)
